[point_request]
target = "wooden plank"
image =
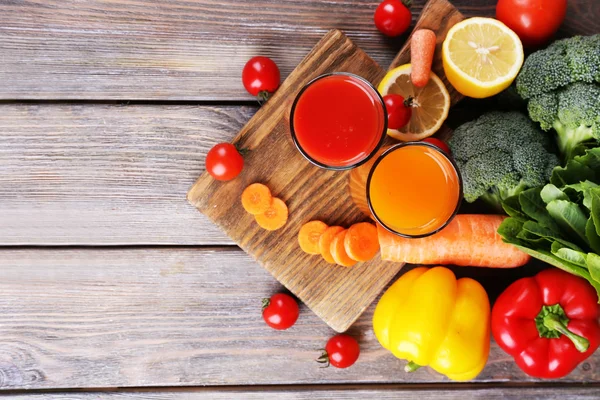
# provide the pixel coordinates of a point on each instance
(107, 174)
(87, 318)
(309, 192)
(382, 392)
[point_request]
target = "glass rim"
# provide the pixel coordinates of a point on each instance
(377, 145)
(407, 144)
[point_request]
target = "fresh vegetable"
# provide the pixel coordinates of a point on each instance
(280, 311)
(560, 222)
(468, 240)
(275, 217)
(399, 110)
(438, 143)
(309, 236)
(429, 105)
(562, 86)
(361, 241)
(341, 351)
(548, 323)
(338, 250)
(481, 57)
(256, 199)
(325, 242)
(422, 47)
(500, 155)
(224, 162)
(535, 21)
(428, 317)
(392, 17)
(261, 77)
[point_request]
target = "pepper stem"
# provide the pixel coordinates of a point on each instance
(552, 321)
(412, 366)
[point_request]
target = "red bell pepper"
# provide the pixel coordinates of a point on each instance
(548, 323)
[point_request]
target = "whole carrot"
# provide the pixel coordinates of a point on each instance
(422, 47)
(469, 240)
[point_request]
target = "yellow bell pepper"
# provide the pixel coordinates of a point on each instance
(428, 317)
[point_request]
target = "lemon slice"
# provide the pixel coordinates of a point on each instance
(481, 57)
(430, 103)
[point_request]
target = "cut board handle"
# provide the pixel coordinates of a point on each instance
(439, 16)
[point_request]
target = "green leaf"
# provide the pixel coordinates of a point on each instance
(569, 255)
(551, 192)
(536, 229)
(596, 210)
(533, 206)
(585, 189)
(573, 172)
(535, 240)
(512, 207)
(509, 229)
(569, 217)
(593, 265)
(592, 235)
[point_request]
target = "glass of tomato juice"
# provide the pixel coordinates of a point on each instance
(338, 121)
(414, 189)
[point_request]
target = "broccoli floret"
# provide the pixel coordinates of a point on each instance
(576, 59)
(501, 154)
(573, 112)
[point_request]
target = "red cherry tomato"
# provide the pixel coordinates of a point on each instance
(280, 311)
(392, 17)
(437, 142)
(534, 21)
(224, 162)
(341, 351)
(260, 74)
(398, 111)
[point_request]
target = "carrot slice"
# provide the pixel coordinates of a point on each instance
(309, 235)
(325, 242)
(338, 250)
(361, 242)
(275, 217)
(256, 198)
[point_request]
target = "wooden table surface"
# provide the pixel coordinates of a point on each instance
(111, 285)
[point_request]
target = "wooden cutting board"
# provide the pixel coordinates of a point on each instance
(336, 294)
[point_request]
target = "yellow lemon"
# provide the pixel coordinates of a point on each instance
(481, 57)
(430, 104)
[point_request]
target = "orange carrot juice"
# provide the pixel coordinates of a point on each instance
(414, 189)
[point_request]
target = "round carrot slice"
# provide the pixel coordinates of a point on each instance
(361, 242)
(309, 236)
(275, 217)
(256, 198)
(338, 251)
(325, 242)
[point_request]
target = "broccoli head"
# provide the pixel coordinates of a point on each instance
(572, 111)
(501, 154)
(576, 59)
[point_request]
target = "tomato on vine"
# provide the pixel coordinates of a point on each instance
(261, 77)
(280, 311)
(341, 351)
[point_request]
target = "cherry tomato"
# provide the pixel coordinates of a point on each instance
(280, 311)
(341, 351)
(260, 76)
(398, 111)
(392, 17)
(224, 162)
(534, 21)
(437, 142)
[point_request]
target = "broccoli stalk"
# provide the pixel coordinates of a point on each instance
(495, 196)
(569, 139)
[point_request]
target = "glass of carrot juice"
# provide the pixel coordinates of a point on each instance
(414, 189)
(338, 121)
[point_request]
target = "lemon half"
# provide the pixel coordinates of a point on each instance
(481, 57)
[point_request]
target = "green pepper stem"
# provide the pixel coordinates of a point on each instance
(552, 321)
(412, 367)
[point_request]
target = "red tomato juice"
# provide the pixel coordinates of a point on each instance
(338, 121)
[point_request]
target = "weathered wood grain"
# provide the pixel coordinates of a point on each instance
(107, 174)
(382, 392)
(86, 318)
(336, 294)
(184, 49)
